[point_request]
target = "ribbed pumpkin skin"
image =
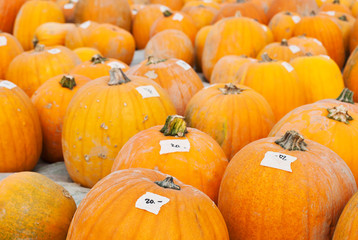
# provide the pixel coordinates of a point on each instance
(30, 69)
(308, 45)
(302, 7)
(281, 51)
(181, 84)
(21, 138)
(202, 167)
(311, 121)
(109, 212)
(346, 228)
(230, 36)
(112, 115)
(86, 53)
(283, 24)
(34, 207)
(244, 117)
(320, 76)
(68, 9)
(350, 73)
(51, 101)
(8, 52)
(353, 39)
(31, 15)
(116, 12)
(202, 15)
(8, 12)
(171, 43)
(52, 34)
(326, 31)
(199, 45)
(280, 86)
(260, 202)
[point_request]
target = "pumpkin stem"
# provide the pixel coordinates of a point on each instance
(117, 77)
(308, 54)
(168, 182)
(292, 141)
(346, 96)
(39, 48)
(288, 13)
(313, 13)
(339, 113)
(230, 88)
(284, 42)
(175, 125)
(167, 13)
(343, 18)
(68, 81)
(336, 2)
(97, 59)
(154, 60)
(35, 41)
(266, 58)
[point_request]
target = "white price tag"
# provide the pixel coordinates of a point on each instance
(116, 65)
(288, 66)
(151, 202)
(151, 74)
(331, 13)
(54, 51)
(74, 1)
(178, 17)
(68, 6)
(296, 19)
(3, 41)
(325, 56)
(173, 145)
(183, 64)
(147, 91)
(294, 49)
(278, 160)
(7, 84)
(85, 24)
(317, 41)
(164, 8)
(264, 27)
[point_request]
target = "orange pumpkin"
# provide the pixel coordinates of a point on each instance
(34, 207)
(30, 69)
(308, 45)
(171, 43)
(302, 7)
(116, 12)
(199, 45)
(348, 3)
(299, 197)
(9, 49)
(354, 9)
(31, 15)
(353, 39)
(335, 6)
(350, 73)
(8, 12)
(281, 51)
(51, 33)
(78, 37)
(117, 203)
(98, 67)
(201, 15)
(283, 24)
(20, 130)
(51, 100)
(195, 3)
(189, 165)
(114, 109)
(175, 5)
(245, 115)
(175, 76)
(86, 53)
(68, 9)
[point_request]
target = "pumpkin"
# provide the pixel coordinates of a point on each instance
(245, 115)
(326, 31)
(116, 12)
(174, 5)
(78, 37)
(195, 3)
(175, 76)
(199, 45)
(335, 6)
(233, 36)
(283, 24)
(31, 15)
(143, 21)
(189, 163)
(301, 197)
(34, 207)
(320, 76)
(9, 49)
(350, 73)
(8, 12)
(227, 68)
(170, 43)
(201, 15)
(51, 33)
(68, 9)
(353, 39)
(281, 51)
(98, 67)
(348, 3)
(308, 45)
(51, 100)
(302, 7)
(330, 124)
(21, 130)
(354, 9)
(114, 109)
(30, 69)
(86, 53)
(118, 201)
(175, 20)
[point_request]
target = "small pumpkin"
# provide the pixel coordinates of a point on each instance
(308, 45)
(283, 24)
(302, 7)
(282, 51)
(9, 49)
(199, 45)
(51, 33)
(335, 6)
(174, 5)
(202, 15)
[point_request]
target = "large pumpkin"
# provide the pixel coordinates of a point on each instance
(146, 204)
(284, 188)
(113, 109)
(245, 115)
(30, 69)
(21, 138)
(8, 12)
(9, 49)
(34, 207)
(185, 153)
(51, 100)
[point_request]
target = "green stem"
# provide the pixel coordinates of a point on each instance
(292, 141)
(339, 113)
(68, 81)
(117, 77)
(97, 59)
(168, 183)
(175, 125)
(346, 96)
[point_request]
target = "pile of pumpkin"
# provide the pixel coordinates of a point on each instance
(266, 151)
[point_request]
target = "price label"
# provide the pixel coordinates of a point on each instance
(151, 74)
(3, 41)
(85, 24)
(331, 13)
(317, 41)
(264, 27)
(294, 49)
(325, 56)
(54, 51)
(173, 145)
(68, 6)
(296, 19)
(183, 64)
(147, 91)
(116, 65)
(178, 17)
(151, 202)
(7, 84)
(163, 8)
(288, 66)
(278, 160)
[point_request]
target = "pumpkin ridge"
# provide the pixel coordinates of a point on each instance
(292, 141)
